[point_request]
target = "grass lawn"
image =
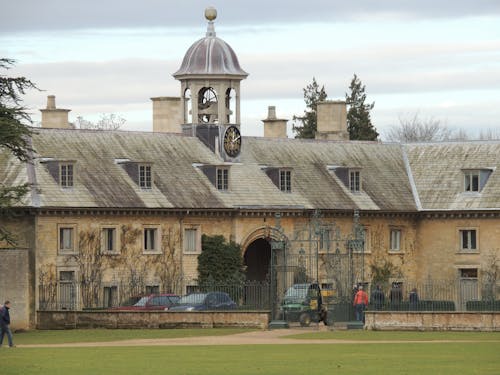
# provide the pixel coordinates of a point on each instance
(99, 335)
(481, 357)
(399, 335)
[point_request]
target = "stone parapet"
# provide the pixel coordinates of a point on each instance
(432, 321)
(151, 319)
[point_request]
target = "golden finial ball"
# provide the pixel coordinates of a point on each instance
(210, 13)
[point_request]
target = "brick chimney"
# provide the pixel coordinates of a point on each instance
(332, 120)
(167, 114)
(274, 127)
(53, 117)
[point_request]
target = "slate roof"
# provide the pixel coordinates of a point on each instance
(395, 178)
(437, 169)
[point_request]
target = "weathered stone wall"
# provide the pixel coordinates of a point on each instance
(17, 266)
(439, 242)
(150, 319)
(433, 321)
(14, 285)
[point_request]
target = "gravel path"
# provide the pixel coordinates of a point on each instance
(267, 337)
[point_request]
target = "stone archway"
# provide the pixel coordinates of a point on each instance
(257, 258)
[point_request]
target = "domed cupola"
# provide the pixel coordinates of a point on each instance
(210, 56)
(210, 76)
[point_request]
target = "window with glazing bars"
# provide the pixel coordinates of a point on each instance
(286, 181)
(145, 176)
(355, 181)
(66, 175)
(222, 178)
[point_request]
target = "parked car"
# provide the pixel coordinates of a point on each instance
(152, 302)
(205, 301)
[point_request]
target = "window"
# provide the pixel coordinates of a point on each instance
(360, 243)
(151, 240)
(468, 273)
(191, 240)
(471, 180)
(324, 239)
(109, 240)
(475, 179)
(110, 296)
(286, 181)
(66, 239)
(222, 178)
(192, 289)
(468, 239)
(66, 175)
(395, 240)
(67, 290)
(153, 289)
(145, 176)
(355, 181)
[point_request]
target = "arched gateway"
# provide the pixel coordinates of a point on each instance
(257, 253)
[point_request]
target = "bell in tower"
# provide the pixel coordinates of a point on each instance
(210, 77)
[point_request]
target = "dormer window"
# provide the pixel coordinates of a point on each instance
(281, 177)
(218, 175)
(350, 177)
(475, 179)
(222, 182)
(145, 180)
(286, 180)
(140, 172)
(355, 181)
(66, 175)
(62, 171)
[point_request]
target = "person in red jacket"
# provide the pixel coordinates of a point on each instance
(360, 303)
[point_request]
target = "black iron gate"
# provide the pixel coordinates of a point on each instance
(316, 256)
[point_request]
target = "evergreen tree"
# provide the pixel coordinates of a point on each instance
(313, 94)
(219, 262)
(14, 136)
(359, 124)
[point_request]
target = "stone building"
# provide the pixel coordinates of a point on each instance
(113, 209)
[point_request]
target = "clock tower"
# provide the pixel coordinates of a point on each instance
(210, 77)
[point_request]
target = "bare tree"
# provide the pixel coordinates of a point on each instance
(90, 261)
(108, 121)
(415, 129)
(489, 134)
(168, 265)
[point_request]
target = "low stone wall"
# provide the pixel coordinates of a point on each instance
(432, 321)
(151, 319)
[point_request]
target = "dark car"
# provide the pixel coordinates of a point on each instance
(205, 301)
(152, 302)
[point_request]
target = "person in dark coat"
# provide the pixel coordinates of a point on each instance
(377, 298)
(413, 298)
(5, 324)
(396, 296)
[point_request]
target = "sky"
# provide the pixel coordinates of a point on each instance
(438, 59)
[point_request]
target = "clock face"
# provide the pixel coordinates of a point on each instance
(232, 141)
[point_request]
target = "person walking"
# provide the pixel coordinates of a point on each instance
(5, 324)
(360, 303)
(378, 298)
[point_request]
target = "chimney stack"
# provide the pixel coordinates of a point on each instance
(274, 127)
(332, 120)
(167, 114)
(53, 117)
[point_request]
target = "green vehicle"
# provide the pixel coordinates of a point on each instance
(303, 303)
